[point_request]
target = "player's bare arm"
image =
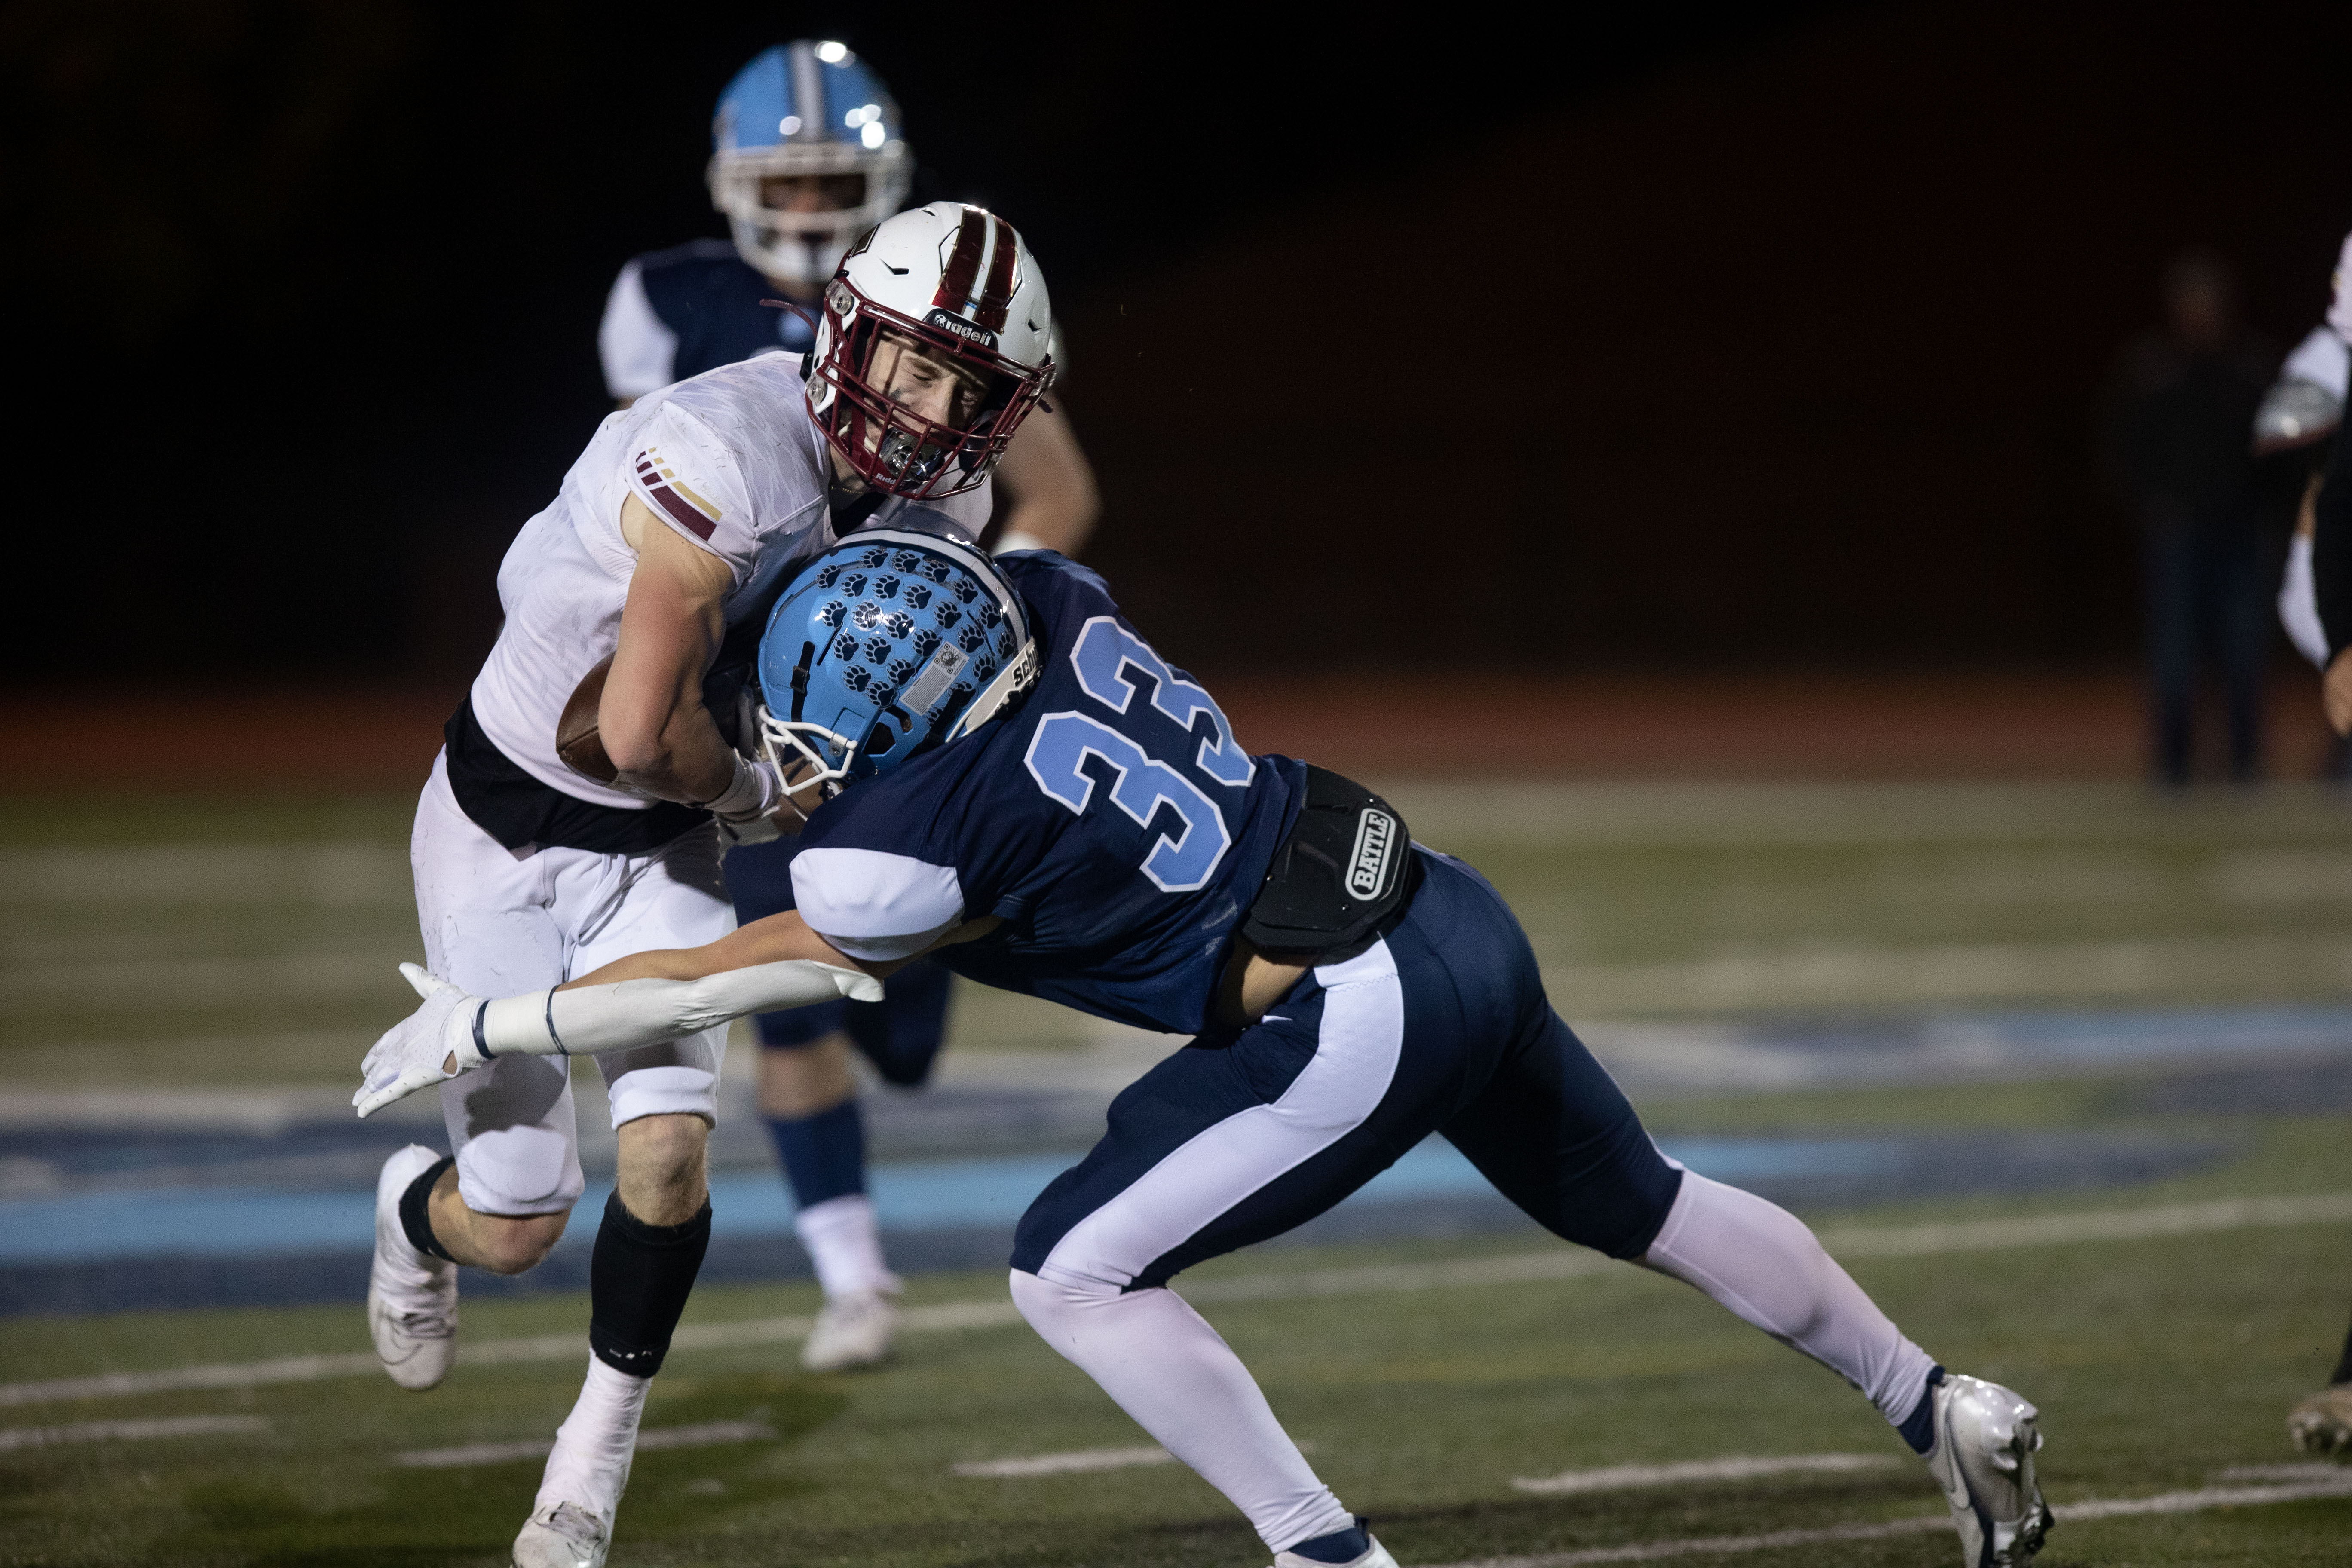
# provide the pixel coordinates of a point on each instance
(779, 939)
(654, 726)
(1050, 485)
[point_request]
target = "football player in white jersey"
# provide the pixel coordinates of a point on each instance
(808, 152)
(570, 819)
(2298, 419)
(2322, 1422)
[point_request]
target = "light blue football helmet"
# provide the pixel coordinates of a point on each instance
(890, 645)
(809, 108)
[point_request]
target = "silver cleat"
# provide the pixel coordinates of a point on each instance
(1986, 1436)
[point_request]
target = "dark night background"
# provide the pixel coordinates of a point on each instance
(1698, 339)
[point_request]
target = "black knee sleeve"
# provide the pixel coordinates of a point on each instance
(638, 1280)
(416, 1211)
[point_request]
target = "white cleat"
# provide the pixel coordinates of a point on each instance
(412, 1301)
(1986, 1438)
(1377, 1557)
(853, 1330)
(2322, 1422)
(563, 1535)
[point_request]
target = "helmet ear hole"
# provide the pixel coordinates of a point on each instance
(879, 743)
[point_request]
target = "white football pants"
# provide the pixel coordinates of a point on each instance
(497, 922)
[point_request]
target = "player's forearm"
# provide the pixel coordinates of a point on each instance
(1060, 523)
(587, 1019)
(675, 755)
(777, 939)
(1050, 486)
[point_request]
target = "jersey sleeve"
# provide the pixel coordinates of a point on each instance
(2322, 359)
(682, 470)
(2339, 309)
(875, 904)
(639, 350)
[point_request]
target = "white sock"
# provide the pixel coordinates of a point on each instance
(590, 1467)
(1763, 1263)
(845, 1246)
(1166, 1367)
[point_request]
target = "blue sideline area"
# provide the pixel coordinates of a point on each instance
(111, 1250)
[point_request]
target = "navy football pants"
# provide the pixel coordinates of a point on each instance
(1442, 1027)
(900, 1035)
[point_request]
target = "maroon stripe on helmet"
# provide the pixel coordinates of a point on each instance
(964, 262)
(996, 295)
(670, 501)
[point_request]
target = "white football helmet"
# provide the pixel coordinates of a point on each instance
(956, 282)
(806, 110)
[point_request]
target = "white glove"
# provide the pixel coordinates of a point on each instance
(431, 1044)
(746, 809)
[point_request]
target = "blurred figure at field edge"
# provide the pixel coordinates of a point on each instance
(2185, 397)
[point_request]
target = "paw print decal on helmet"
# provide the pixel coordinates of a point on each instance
(892, 644)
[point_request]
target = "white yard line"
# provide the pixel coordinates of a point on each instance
(15, 1437)
(1079, 1462)
(2337, 1485)
(653, 1440)
(1853, 1241)
(1731, 1467)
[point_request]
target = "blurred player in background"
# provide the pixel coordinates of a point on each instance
(807, 155)
(2184, 399)
(2322, 1422)
(571, 817)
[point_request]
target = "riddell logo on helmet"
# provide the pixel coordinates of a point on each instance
(960, 328)
(1368, 867)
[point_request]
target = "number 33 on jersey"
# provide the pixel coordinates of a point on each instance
(1114, 823)
(1104, 653)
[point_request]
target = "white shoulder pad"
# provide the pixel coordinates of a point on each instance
(639, 352)
(874, 905)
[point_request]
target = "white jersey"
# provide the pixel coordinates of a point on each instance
(2322, 359)
(731, 462)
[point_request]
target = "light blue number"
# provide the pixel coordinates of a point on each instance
(1145, 783)
(1105, 649)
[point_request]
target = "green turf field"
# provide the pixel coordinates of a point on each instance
(2159, 1364)
(201, 941)
(195, 944)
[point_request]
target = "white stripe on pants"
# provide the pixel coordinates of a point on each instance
(1150, 1351)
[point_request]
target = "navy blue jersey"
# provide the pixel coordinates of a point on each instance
(1113, 822)
(678, 312)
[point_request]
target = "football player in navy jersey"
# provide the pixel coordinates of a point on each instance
(1002, 774)
(807, 155)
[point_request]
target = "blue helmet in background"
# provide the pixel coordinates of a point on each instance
(888, 645)
(809, 112)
